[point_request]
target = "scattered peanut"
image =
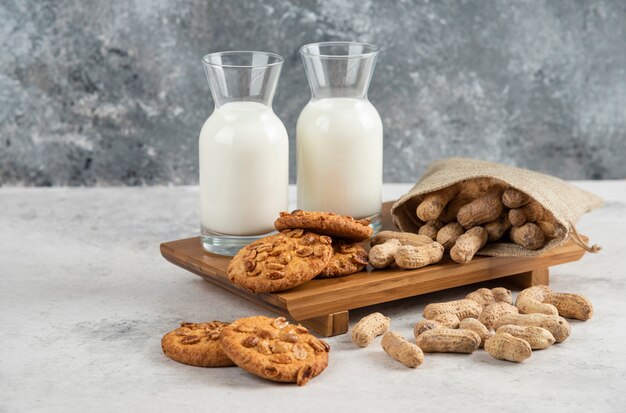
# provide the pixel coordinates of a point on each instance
(477, 327)
(541, 299)
(536, 292)
(571, 305)
(502, 295)
(461, 308)
(468, 244)
(400, 349)
(555, 324)
(425, 325)
(530, 301)
(528, 236)
(494, 311)
(538, 337)
(530, 306)
(483, 296)
(503, 346)
(447, 320)
(368, 328)
(462, 326)
(447, 340)
(448, 235)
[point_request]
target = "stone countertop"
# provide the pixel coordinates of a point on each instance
(85, 297)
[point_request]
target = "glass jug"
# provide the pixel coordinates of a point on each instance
(339, 136)
(243, 151)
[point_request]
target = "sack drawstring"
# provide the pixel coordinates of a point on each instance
(578, 240)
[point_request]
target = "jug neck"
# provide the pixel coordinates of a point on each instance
(246, 76)
(339, 69)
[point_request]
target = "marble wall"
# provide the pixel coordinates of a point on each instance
(113, 92)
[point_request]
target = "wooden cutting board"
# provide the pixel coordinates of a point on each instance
(323, 304)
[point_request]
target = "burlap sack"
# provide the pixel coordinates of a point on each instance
(566, 202)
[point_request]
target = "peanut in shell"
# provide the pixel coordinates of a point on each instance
(448, 340)
(503, 346)
(461, 308)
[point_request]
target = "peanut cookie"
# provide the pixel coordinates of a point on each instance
(326, 223)
(280, 261)
(196, 345)
(274, 349)
(347, 259)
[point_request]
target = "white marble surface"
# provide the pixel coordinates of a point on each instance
(85, 298)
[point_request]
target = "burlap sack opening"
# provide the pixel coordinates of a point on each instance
(566, 202)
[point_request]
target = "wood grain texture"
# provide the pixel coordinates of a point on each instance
(328, 325)
(539, 276)
(323, 304)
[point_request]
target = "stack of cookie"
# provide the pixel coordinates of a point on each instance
(268, 347)
(309, 245)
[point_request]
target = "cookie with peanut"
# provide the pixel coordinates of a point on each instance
(196, 344)
(326, 223)
(274, 349)
(280, 261)
(348, 258)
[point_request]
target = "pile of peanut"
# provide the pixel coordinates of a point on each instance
(485, 318)
(467, 215)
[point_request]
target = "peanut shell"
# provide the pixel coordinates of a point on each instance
(400, 349)
(494, 311)
(364, 332)
(538, 337)
(461, 308)
(447, 340)
(571, 305)
(558, 326)
(504, 346)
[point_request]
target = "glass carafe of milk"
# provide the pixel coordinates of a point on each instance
(339, 134)
(244, 152)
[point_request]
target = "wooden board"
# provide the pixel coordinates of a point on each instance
(323, 304)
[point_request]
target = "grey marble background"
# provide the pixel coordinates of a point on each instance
(113, 92)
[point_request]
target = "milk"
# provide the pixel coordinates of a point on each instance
(244, 169)
(340, 155)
